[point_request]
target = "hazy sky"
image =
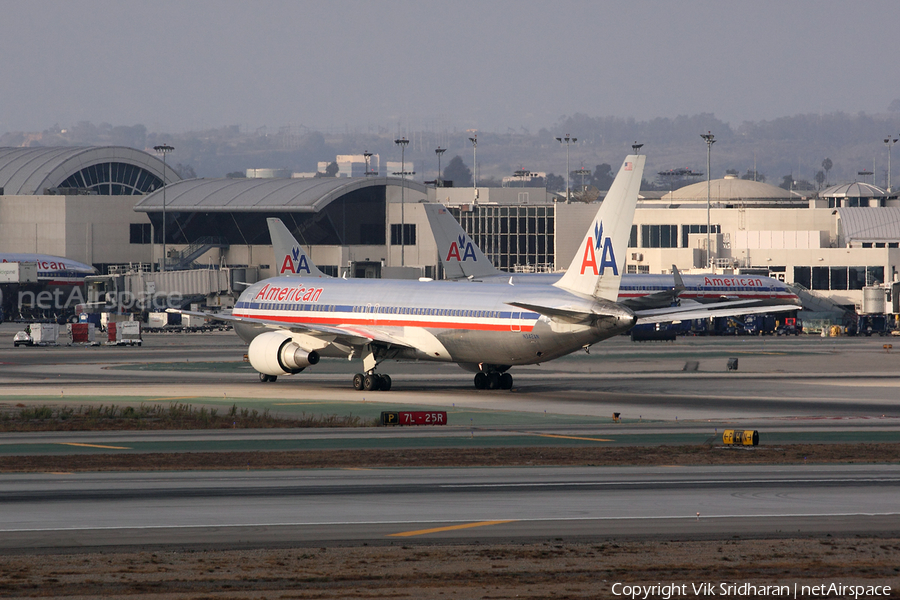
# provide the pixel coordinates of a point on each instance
(183, 65)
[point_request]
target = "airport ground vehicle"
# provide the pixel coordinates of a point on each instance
(791, 326)
(22, 339)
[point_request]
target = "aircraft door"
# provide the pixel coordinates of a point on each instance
(515, 323)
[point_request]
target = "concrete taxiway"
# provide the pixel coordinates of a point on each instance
(425, 505)
(777, 378)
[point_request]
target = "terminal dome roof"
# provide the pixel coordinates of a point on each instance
(104, 170)
(865, 224)
(857, 189)
(256, 195)
(729, 189)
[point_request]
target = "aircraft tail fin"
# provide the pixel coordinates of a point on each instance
(596, 270)
(459, 255)
(679, 281)
(290, 259)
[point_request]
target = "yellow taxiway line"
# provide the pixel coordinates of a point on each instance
(95, 446)
(571, 437)
(448, 528)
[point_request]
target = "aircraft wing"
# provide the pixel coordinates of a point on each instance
(350, 336)
(687, 312)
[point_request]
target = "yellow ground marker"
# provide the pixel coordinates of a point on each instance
(173, 398)
(95, 446)
(448, 528)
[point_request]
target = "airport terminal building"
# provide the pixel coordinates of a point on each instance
(106, 206)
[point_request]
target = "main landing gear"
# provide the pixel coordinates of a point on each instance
(371, 382)
(268, 378)
(493, 381)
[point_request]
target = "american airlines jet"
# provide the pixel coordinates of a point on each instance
(291, 322)
(52, 270)
(462, 259)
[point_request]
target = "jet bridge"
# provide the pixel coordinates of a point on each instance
(140, 290)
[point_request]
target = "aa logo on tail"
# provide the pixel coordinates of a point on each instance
(468, 250)
(604, 246)
(295, 262)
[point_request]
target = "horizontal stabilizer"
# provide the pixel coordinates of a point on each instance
(707, 311)
(567, 316)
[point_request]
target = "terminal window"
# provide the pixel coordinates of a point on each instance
(686, 230)
(838, 278)
(659, 236)
(139, 233)
(409, 234)
(512, 237)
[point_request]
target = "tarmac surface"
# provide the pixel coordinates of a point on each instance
(790, 389)
(490, 504)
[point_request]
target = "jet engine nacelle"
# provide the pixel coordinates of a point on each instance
(275, 353)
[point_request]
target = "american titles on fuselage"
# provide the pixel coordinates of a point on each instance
(733, 282)
(47, 265)
(288, 293)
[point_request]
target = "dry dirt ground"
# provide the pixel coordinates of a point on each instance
(462, 457)
(532, 570)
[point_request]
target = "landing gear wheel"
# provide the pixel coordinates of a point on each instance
(371, 383)
(267, 378)
(358, 382)
(506, 381)
(385, 383)
(493, 381)
(480, 381)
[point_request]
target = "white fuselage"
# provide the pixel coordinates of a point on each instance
(702, 288)
(437, 320)
(52, 270)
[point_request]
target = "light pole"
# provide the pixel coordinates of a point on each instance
(403, 143)
(164, 149)
(367, 156)
(582, 171)
(439, 182)
(567, 139)
(474, 140)
(889, 142)
(710, 140)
